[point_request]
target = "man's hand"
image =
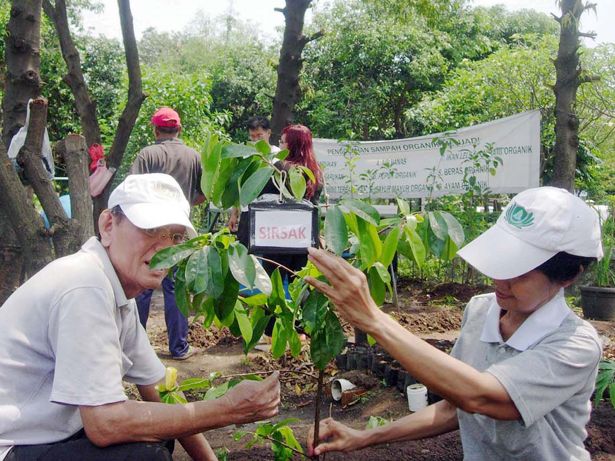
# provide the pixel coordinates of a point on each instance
(348, 289)
(335, 437)
(251, 401)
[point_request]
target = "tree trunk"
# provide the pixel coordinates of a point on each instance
(86, 107)
(289, 67)
(76, 158)
(133, 105)
(23, 61)
(24, 246)
(568, 71)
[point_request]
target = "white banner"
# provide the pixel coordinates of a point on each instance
(421, 167)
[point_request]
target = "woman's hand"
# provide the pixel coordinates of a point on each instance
(347, 289)
(335, 437)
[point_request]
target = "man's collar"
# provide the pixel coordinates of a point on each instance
(539, 324)
(173, 140)
(95, 248)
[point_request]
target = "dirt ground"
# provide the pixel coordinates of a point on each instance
(433, 313)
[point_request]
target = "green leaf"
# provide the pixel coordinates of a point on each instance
(278, 295)
(241, 265)
(294, 341)
(327, 341)
(210, 160)
(263, 147)
(181, 297)
(383, 273)
(437, 224)
(244, 322)
(257, 332)
(225, 303)
(216, 392)
(376, 286)
(362, 210)
(192, 384)
(314, 310)
(262, 281)
(290, 439)
(170, 256)
(258, 299)
(455, 230)
(416, 245)
(224, 172)
(404, 207)
(336, 232)
(390, 246)
(279, 338)
(254, 185)
(196, 271)
(309, 173)
(370, 244)
(297, 183)
(237, 150)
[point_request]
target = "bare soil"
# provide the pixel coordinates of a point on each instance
(433, 313)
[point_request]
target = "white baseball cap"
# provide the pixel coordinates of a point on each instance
(153, 200)
(535, 226)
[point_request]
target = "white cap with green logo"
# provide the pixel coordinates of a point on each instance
(535, 226)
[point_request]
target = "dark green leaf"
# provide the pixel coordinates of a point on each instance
(279, 338)
(181, 297)
(263, 147)
(362, 210)
(254, 185)
(369, 243)
(336, 232)
(225, 303)
(297, 183)
(170, 256)
(244, 323)
(376, 286)
(390, 246)
(237, 150)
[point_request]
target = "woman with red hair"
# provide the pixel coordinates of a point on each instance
(298, 140)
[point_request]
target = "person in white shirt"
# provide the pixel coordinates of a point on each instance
(519, 379)
(71, 334)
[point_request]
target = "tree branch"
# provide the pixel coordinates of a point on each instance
(86, 107)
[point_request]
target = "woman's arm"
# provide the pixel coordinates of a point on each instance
(433, 420)
(459, 383)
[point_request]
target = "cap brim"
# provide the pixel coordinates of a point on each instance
(501, 256)
(152, 215)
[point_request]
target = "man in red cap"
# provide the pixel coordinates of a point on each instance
(171, 156)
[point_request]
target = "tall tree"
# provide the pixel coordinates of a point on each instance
(569, 77)
(23, 63)
(289, 67)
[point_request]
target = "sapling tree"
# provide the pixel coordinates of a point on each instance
(211, 268)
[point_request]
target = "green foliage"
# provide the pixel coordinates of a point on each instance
(605, 381)
(189, 94)
(283, 441)
(376, 421)
(602, 273)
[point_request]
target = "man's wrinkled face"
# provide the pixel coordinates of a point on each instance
(131, 249)
(258, 134)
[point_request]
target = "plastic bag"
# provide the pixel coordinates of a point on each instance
(99, 179)
(19, 140)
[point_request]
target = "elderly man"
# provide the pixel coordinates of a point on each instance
(171, 156)
(71, 334)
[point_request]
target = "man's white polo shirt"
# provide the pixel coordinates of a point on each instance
(69, 336)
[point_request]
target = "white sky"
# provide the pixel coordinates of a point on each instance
(175, 15)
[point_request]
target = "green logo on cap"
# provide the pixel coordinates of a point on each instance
(519, 217)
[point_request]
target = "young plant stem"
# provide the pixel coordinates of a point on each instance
(279, 265)
(266, 373)
(321, 375)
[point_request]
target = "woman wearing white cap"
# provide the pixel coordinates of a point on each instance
(519, 380)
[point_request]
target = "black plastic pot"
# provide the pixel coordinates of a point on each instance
(391, 373)
(598, 303)
(341, 361)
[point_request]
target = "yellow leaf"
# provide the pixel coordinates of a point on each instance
(170, 378)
